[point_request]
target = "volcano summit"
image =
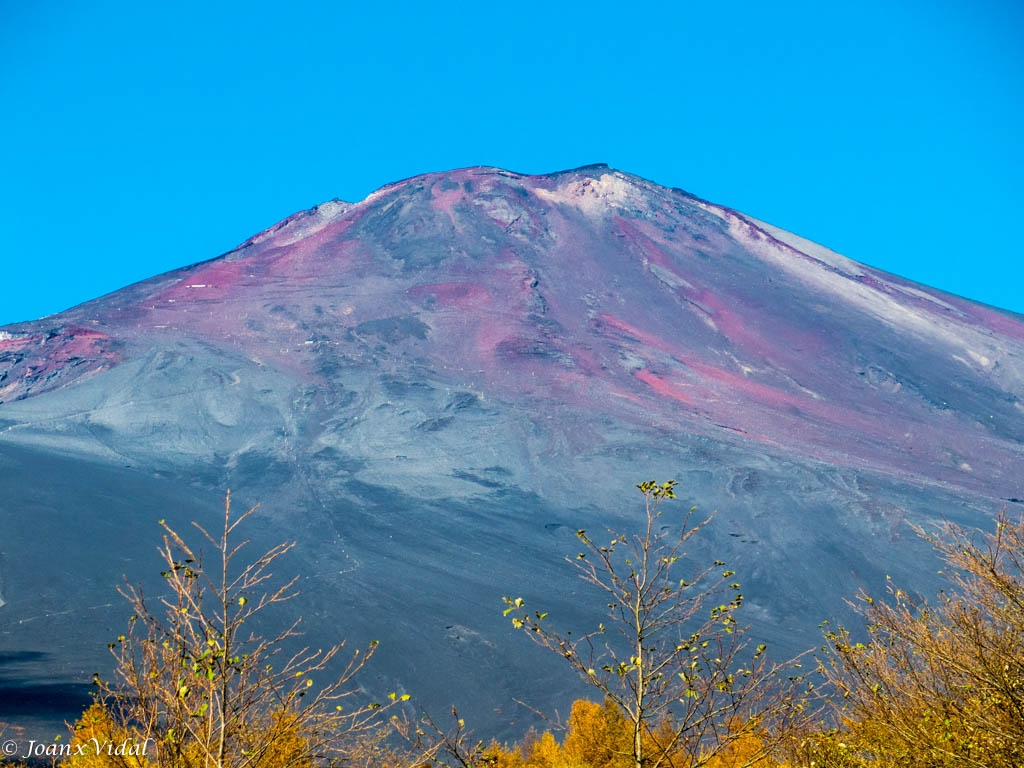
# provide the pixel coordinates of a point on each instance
(432, 389)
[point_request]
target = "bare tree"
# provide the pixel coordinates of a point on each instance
(671, 656)
(194, 678)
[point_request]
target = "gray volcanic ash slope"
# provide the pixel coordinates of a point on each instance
(432, 389)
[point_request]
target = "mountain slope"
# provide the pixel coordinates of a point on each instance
(431, 389)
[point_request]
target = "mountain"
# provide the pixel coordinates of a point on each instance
(433, 389)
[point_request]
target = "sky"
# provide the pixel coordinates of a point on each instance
(136, 138)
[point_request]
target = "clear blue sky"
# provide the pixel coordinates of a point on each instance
(140, 137)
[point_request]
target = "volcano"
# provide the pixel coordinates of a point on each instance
(433, 389)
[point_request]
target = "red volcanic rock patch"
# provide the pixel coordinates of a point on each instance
(662, 386)
(459, 294)
(34, 363)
